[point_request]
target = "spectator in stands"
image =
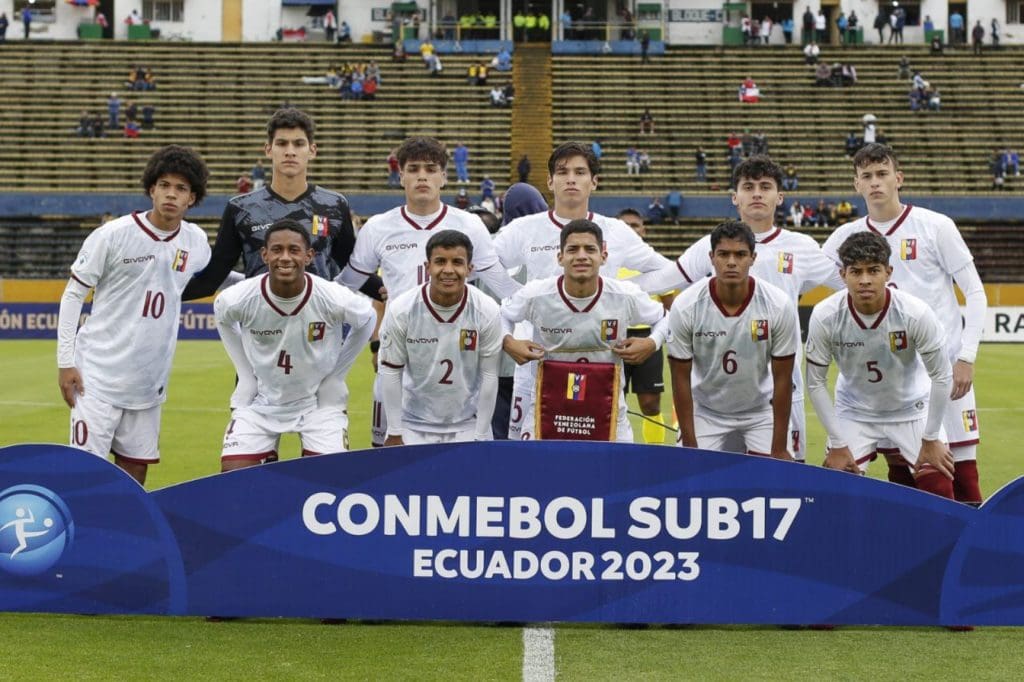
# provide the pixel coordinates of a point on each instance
(244, 184)
(787, 30)
(796, 214)
(523, 169)
(749, 92)
(510, 93)
(845, 212)
(977, 36)
(148, 80)
(487, 189)
(746, 28)
(435, 65)
(460, 155)
(733, 142)
(934, 99)
(398, 53)
(595, 146)
(26, 19)
(823, 75)
(330, 25)
(427, 53)
(644, 160)
(84, 128)
(655, 212)
(646, 122)
(852, 145)
(131, 128)
(481, 74)
(842, 23)
(503, 61)
(645, 46)
(956, 28)
(897, 20)
(880, 23)
(471, 74)
(847, 74)
(131, 81)
(462, 199)
(358, 88)
(4, 23)
(370, 89)
(823, 213)
(759, 144)
(995, 33)
(821, 27)
(114, 110)
(674, 201)
(852, 22)
(345, 32)
(498, 97)
(1012, 162)
(808, 25)
(632, 161)
(811, 53)
(766, 29)
(134, 18)
(131, 111)
(997, 166)
(98, 126)
(791, 181)
(936, 45)
(258, 175)
(701, 159)
(394, 170)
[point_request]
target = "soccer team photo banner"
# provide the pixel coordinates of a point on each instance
(507, 531)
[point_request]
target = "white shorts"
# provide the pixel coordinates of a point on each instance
(865, 438)
(414, 437)
(797, 430)
(378, 418)
(751, 434)
(521, 424)
(255, 436)
(101, 428)
(962, 427)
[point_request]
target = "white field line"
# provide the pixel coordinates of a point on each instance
(538, 654)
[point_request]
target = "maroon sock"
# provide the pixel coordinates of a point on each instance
(965, 482)
(932, 481)
(900, 473)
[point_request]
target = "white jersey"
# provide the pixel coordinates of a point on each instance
(291, 351)
(395, 242)
(125, 348)
(533, 242)
(440, 352)
(787, 260)
(572, 329)
(927, 249)
(732, 353)
(881, 375)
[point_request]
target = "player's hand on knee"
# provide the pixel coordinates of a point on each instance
(636, 350)
(393, 440)
(71, 385)
(936, 455)
(783, 454)
(841, 459)
(963, 379)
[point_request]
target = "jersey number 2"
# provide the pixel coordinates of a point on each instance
(448, 367)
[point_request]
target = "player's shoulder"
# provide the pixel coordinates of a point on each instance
(545, 286)
(239, 292)
(928, 219)
(256, 198)
(528, 221)
(383, 220)
(841, 233)
(463, 220)
(482, 302)
(623, 287)
(701, 246)
(797, 241)
(834, 303)
(406, 300)
(115, 226)
(697, 291)
(909, 304)
(327, 196)
(193, 232)
(771, 293)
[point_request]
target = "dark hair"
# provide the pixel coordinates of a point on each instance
(181, 161)
(423, 149)
(757, 167)
(288, 225)
(733, 229)
(864, 247)
(490, 221)
(450, 239)
(567, 150)
(630, 211)
(875, 152)
(290, 118)
(580, 226)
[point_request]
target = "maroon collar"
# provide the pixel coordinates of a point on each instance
(551, 217)
(751, 285)
(881, 315)
(569, 303)
(265, 290)
(433, 310)
(895, 226)
(771, 236)
(432, 225)
(153, 235)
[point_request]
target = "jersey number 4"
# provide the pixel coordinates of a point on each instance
(284, 361)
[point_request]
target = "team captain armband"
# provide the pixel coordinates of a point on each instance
(577, 400)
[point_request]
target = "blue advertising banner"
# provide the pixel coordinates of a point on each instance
(39, 320)
(504, 531)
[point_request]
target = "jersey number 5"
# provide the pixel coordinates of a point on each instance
(876, 374)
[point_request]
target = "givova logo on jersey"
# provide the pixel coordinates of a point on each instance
(898, 341)
(316, 331)
(785, 263)
(759, 330)
(467, 339)
(970, 418)
(609, 330)
(908, 249)
(180, 260)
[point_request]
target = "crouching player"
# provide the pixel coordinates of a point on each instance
(440, 345)
(888, 346)
(284, 332)
(113, 371)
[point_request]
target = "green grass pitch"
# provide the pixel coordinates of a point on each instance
(37, 646)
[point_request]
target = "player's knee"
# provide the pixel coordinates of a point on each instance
(650, 403)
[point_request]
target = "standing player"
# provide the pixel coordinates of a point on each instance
(578, 313)
(887, 344)
(284, 333)
(440, 345)
(731, 352)
(788, 260)
(324, 214)
(394, 241)
(646, 379)
(932, 257)
(113, 371)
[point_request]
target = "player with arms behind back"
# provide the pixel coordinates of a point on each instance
(887, 344)
(929, 257)
(284, 333)
(731, 352)
(113, 371)
(439, 352)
